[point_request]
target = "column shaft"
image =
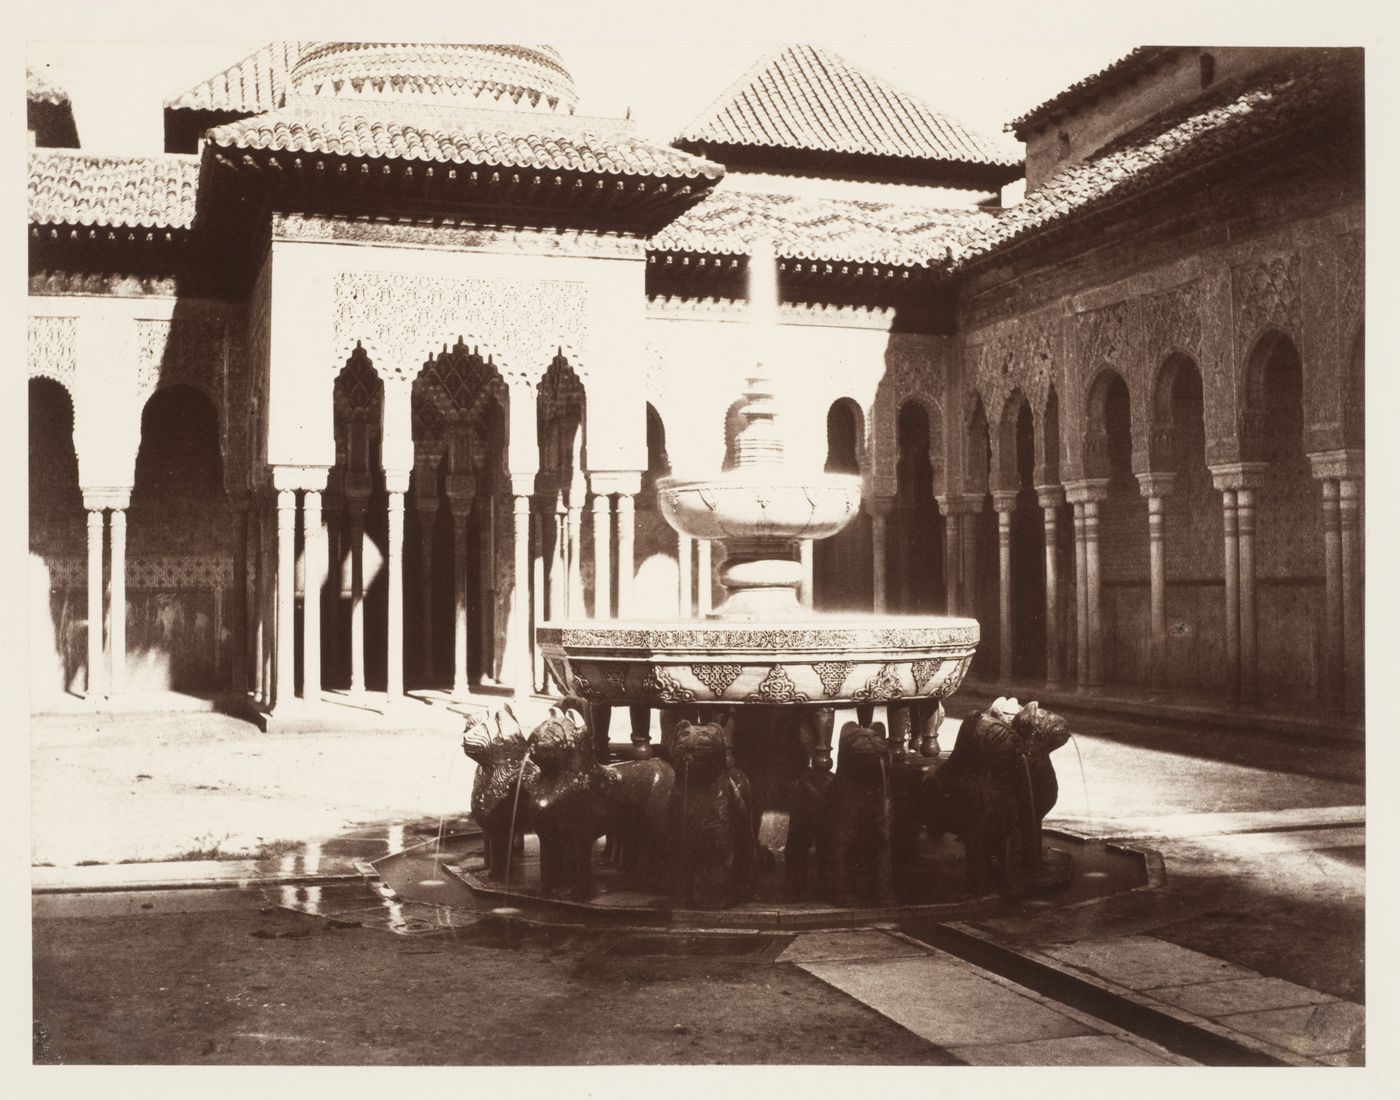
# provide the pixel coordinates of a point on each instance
(952, 562)
(878, 553)
(537, 601)
(685, 559)
(574, 608)
(1353, 591)
(969, 565)
(1004, 588)
(117, 625)
(240, 596)
(1334, 664)
(1093, 580)
(284, 681)
(1081, 600)
(704, 592)
(96, 523)
(1232, 592)
(314, 555)
(394, 563)
(357, 600)
(518, 639)
(427, 520)
(460, 583)
(1052, 595)
(804, 554)
(602, 557)
(626, 561)
(1157, 565)
(1249, 638)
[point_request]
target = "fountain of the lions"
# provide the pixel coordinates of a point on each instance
(738, 809)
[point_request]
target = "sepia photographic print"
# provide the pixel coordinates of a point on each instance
(823, 547)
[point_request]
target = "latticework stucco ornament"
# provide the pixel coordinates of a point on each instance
(1172, 322)
(520, 324)
(912, 372)
(190, 352)
(1351, 284)
(51, 349)
(1266, 292)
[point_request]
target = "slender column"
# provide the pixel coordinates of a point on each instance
(284, 680)
(1232, 591)
(559, 562)
(684, 567)
(704, 594)
(806, 595)
(357, 594)
(518, 638)
(1050, 498)
(1353, 593)
(240, 594)
(879, 555)
(255, 625)
(952, 554)
(1004, 503)
(1333, 615)
(490, 661)
(427, 521)
(266, 528)
(602, 556)
(969, 556)
(1156, 487)
(397, 484)
(1081, 607)
(314, 554)
(574, 606)
(117, 624)
(626, 562)
(1093, 580)
(95, 524)
(1249, 638)
(460, 686)
(537, 602)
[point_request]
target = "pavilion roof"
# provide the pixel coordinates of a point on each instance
(256, 84)
(841, 230)
(464, 137)
(803, 98)
(1291, 103)
(83, 189)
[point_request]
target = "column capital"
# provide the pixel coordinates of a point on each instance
(1087, 490)
(1238, 475)
(95, 500)
(396, 481)
(1338, 464)
(1004, 501)
(615, 481)
(1156, 484)
(299, 477)
(522, 485)
(1050, 496)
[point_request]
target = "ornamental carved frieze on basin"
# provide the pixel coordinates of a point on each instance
(823, 662)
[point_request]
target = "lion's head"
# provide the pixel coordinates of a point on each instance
(560, 739)
(863, 752)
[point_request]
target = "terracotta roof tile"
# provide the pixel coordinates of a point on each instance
(836, 229)
(1126, 67)
(68, 188)
(40, 89)
(1266, 105)
(257, 83)
(500, 138)
(805, 98)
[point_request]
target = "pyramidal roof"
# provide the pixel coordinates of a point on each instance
(806, 99)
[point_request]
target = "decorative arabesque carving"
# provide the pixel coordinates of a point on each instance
(51, 349)
(526, 323)
(559, 405)
(1172, 322)
(191, 352)
(1351, 284)
(1266, 292)
(359, 415)
(912, 371)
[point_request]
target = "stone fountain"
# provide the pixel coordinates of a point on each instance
(761, 649)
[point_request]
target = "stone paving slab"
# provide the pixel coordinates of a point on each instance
(1212, 999)
(1075, 1050)
(843, 946)
(1334, 1027)
(946, 1002)
(1145, 962)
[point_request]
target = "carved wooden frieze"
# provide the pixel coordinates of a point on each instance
(520, 324)
(51, 349)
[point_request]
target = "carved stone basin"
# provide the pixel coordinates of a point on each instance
(759, 503)
(826, 662)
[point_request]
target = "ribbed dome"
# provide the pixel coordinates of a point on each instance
(503, 76)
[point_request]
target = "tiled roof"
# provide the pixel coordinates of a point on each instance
(818, 228)
(69, 188)
(40, 89)
(1268, 105)
(470, 137)
(257, 83)
(806, 98)
(1126, 67)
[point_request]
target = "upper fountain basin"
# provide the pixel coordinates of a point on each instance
(760, 503)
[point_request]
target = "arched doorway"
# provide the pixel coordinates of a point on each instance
(179, 571)
(842, 564)
(57, 547)
(918, 525)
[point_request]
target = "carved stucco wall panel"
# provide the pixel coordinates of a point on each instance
(51, 350)
(916, 369)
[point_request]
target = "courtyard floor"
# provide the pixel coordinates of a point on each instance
(1258, 930)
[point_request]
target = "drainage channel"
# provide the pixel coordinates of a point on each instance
(1184, 1036)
